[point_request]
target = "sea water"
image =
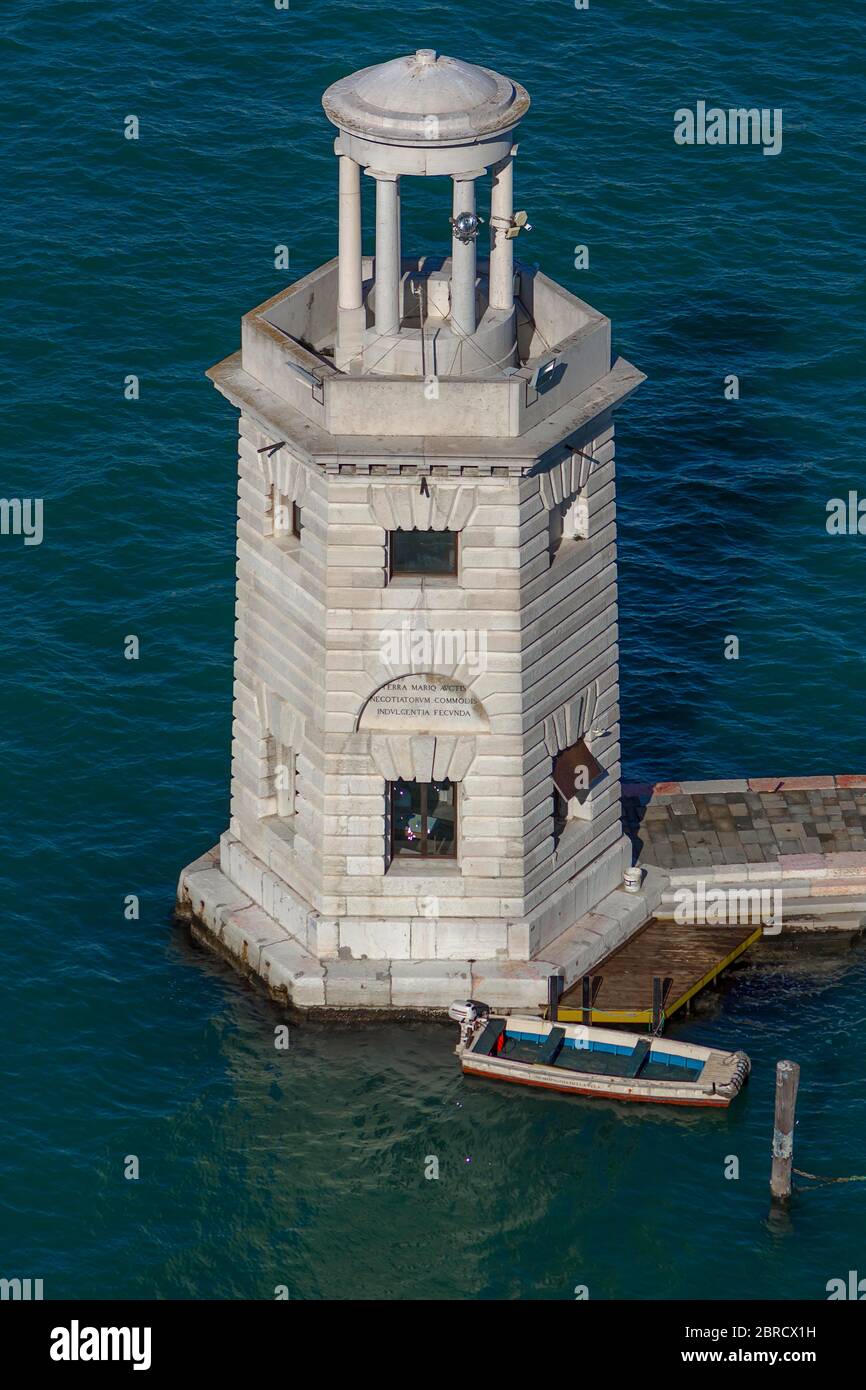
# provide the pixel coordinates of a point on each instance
(156, 1142)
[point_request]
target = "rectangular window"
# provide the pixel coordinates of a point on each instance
(575, 772)
(423, 819)
(284, 779)
(568, 521)
(287, 516)
(423, 553)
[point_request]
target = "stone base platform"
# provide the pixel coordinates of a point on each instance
(224, 918)
(805, 837)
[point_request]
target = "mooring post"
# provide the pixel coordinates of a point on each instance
(555, 985)
(787, 1081)
(586, 999)
(661, 989)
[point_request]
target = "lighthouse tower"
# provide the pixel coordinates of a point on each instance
(425, 774)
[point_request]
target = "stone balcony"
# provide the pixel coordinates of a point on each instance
(288, 348)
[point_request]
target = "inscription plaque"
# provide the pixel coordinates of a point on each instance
(424, 704)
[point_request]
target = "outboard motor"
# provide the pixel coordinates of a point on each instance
(470, 1014)
(468, 1010)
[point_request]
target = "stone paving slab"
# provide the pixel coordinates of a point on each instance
(754, 821)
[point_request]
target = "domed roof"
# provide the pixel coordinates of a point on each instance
(425, 99)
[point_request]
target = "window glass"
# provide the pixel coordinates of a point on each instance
(440, 818)
(406, 817)
(423, 818)
(423, 552)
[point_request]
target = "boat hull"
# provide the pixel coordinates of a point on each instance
(644, 1097)
(697, 1076)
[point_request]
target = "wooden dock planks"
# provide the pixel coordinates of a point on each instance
(690, 955)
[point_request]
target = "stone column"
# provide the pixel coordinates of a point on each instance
(350, 311)
(387, 301)
(501, 248)
(463, 263)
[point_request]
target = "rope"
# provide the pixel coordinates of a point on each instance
(816, 1177)
(464, 337)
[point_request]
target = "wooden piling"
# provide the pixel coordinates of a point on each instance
(555, 986)
(589, 987)
(661, 990)
(586, 1000)
(787, 1082)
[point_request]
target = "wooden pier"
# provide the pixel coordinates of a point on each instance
(655, 973)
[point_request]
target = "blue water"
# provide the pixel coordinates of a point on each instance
(306, 1168)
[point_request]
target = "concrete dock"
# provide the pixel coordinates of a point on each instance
(805, 836)
(685, 825)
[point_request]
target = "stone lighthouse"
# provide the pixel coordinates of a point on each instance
(425, 795)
